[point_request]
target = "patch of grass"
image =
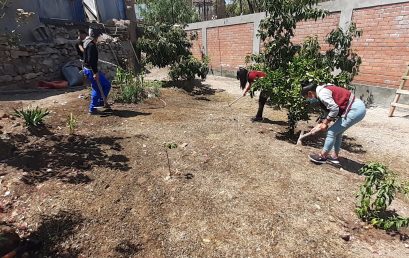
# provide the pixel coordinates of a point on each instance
(32, 117)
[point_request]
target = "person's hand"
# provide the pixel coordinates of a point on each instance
(244, 93)
(323, 127)
(96, 76)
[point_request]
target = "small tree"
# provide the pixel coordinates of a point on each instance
(166, 43)
(289, 65)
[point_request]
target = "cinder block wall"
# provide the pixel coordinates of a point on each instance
(384, 47)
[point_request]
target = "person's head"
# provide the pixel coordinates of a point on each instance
(95, 34)
(309, 91)
(82, 34)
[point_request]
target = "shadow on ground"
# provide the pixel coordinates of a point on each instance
(54, 230)
(317, 141)
(62, 157)
(35, 93)
(194, 87)
(128, 113)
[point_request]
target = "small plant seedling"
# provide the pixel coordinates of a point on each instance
(72, 123)
(32, 117)
(170, 146)
(375, 196)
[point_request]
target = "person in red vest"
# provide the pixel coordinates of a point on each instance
(253, 76)
(343, 111)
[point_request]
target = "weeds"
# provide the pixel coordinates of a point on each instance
(32, 117)
(72, 123)
(134, 89)
(377, 194)
(169, 146)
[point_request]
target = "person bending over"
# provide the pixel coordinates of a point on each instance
(253, 76)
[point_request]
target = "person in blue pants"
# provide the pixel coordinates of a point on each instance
(93, 74)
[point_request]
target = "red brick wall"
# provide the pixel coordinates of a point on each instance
(228, 46)
(321, 28)
(384, 46)
(196, 44)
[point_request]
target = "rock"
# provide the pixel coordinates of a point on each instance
(47, 62)
(9, 69)
(18, 53)
(17, 78)
(7, 193)
(30, 76)
(3, 115)
(49, 170)
(184, 145)
(6, 78)
(346, 237)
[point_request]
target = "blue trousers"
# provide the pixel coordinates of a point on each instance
(335, 132)
(96, 98)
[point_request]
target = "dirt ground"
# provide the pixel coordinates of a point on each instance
(239, 189)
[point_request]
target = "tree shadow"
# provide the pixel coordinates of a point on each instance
(317, 141)
(63, 157)
(193, 87)
(35, 93)
(128, 113)
(268, 121)
(54, 231)
(127, 249)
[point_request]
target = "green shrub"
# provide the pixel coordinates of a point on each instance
(375, 196)
(32, 117)
(134, 89)
(188, 68)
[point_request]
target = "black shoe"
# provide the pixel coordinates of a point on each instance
(256, 119)
(317, 158)
(333, 161)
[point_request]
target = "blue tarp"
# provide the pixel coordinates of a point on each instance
(111, 9)
(70, 10)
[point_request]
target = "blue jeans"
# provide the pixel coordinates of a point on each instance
(96, 98)
(335, 132)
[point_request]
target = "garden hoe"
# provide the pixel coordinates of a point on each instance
(313, 131)
(235, 101)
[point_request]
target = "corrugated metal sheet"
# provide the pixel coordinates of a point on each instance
(70, 10)
(111, 9)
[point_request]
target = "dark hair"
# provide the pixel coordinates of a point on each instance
(307, 88)
(82, 32)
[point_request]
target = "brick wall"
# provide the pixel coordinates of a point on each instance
(384, 47)
(321, 28)
(228, 46)
(197, 44)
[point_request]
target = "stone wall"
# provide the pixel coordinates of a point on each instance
(24, 65)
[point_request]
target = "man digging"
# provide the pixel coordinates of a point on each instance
(99, 83)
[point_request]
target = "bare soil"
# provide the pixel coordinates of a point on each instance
(239, 189)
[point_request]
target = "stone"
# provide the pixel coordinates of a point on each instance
(55, 56)
(18, 53)
(21, 69)
(47, 62)
(7, 53)
(30, 76)
(17, 78)
(6, 78)
(9, 69)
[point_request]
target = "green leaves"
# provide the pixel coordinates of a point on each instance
(32, 117)
(170, 12)
(187, 68)
(376, 195)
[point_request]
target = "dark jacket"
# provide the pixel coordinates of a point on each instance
(91, 56)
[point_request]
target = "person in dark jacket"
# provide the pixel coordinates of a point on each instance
(79, 46)
(252, 76)
(93, 74)
(344, 111)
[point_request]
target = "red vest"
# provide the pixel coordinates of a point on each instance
(341, 97)
(254, 75)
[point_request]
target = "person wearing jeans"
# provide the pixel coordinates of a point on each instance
(93, 74)
(343, 109)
